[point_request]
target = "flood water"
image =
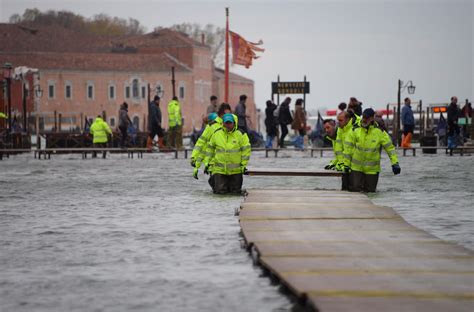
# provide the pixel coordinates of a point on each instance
(142, 235)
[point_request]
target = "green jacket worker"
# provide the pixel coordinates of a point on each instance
(175, 123)
(362, 149)
(99, 130)
(214, 123)
(228, 154)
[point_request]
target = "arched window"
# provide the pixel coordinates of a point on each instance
(136, 122)
(135, 89)
(112, 122)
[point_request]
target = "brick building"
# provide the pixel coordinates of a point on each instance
(83, 75)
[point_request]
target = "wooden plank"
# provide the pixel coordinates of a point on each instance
(322, 213)
(343, 253)
(295, 265)
(394, 304)
(292, 172)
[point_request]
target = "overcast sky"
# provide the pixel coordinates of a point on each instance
(345, 48)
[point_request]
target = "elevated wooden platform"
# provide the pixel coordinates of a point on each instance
(337, 251)
(292, 172)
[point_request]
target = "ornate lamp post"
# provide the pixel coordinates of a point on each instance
(411, 90)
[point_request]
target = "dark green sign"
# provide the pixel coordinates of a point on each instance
(290, 87)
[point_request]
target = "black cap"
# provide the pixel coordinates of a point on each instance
(368, 112)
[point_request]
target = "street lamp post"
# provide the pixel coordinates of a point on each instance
(7, 74)
(411, 89)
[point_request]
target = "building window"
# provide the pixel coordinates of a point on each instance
(127, 92)
(111, 92)
(136, 122)
(112, 122)
(90, 90)
(51, 90)
(181, 92)
(143, 92)
(68, 91)
(135, 91)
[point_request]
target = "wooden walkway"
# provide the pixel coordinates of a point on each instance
(337, 251)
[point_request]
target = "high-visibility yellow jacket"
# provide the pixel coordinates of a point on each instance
(99, 129)
(2, 115)
(174, 114)
(228, 152)
(338, 145)
(200, 148)
(361, 149)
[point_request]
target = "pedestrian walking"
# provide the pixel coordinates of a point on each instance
(284, 118)
(299, 124)
(271, 123)
(175, 123)
(100, 131)
(408, 122)
(466, 112)
(124, 123)
(362, 154)
(154, 124)
(453, 128)
(241, 112)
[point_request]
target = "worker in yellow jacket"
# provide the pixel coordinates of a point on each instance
(214, 124)
(175, 124)
(227, 156)
(361, 151)
(100, 131)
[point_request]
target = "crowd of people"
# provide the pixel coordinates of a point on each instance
(223, 148)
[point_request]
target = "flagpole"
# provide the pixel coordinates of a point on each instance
(226, 73)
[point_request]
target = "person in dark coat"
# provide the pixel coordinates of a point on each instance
(154, 123)
(241, 112)
(124, 123)
(271, 123)
(453, 128)
(284, 118)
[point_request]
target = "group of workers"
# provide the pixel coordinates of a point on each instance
(357, 144)
(224, 151)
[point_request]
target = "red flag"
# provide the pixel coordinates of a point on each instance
(243, 51)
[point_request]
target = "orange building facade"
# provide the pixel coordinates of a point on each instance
(83, 76)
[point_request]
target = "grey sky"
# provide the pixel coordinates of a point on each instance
(345, 48)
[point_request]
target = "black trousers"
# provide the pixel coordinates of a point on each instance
(225, 184)
(284, 132)
(123, 138)
(345, 181)
(361, 182)
(408, 129)
(99, 145)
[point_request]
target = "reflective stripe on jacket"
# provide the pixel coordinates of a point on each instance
(362, 149)
(200, 148)
(99, 129)
(228, 152)
(338, 145)
(174, 113)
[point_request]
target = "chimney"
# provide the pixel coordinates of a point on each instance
(202, 38)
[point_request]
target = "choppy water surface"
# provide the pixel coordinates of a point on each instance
(141, 235)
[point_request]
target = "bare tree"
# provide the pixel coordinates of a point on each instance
(214, 37)
(101, 24)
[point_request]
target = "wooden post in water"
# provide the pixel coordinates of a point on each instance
(81, 125)
(60, 117)
(173, 81)
(55, 121)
